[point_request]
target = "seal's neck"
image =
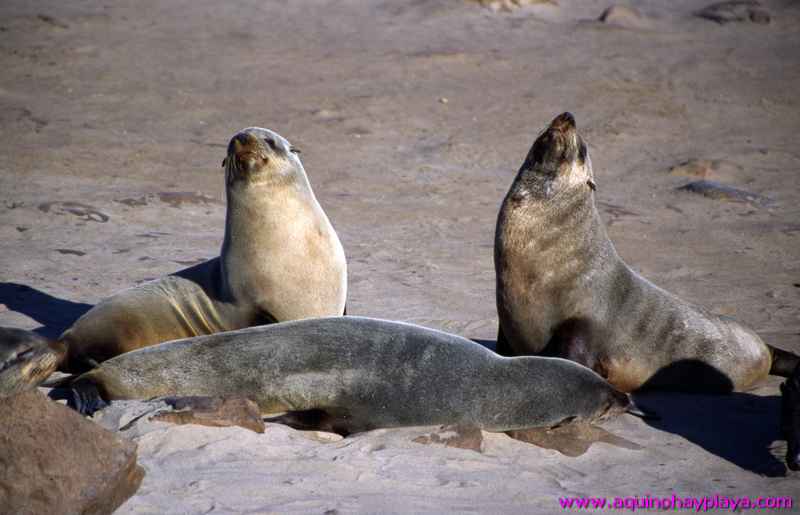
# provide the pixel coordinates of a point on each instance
(551, 221)
(548, 191)
(255, 209)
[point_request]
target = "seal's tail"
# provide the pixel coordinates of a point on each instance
(783, 362)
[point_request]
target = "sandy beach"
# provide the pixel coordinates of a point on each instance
(413, 117)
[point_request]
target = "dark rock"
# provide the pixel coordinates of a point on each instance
(719, 191)
(460, 436)
(735, 11)
(214, 412)
(53, 460)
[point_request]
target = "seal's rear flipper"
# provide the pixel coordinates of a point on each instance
(783, 362)
(502, 346)
(82, 396)
(790, 418)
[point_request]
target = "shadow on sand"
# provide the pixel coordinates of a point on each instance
(737, 426)
(53, 313)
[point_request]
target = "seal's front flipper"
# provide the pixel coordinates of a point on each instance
(82, 396)
(572, 438)
(784, 363)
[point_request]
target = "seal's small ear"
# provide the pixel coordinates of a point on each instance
(591, 184)
(224, 161)
(295, 150)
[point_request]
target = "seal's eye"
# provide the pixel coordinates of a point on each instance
(271, 143)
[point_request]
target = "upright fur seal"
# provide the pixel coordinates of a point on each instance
(354, 374)
(281, 260)
(562, 290)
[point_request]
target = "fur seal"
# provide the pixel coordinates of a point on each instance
(562, 289)
(280, 260)
(350, 374)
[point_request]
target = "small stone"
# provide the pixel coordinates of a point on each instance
(624, 17)
(459, 436)
(719, 191)
(214, 412)
(55, 460)
(443, 100)
(735, 11)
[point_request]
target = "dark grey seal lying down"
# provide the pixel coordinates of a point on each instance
(351, 374)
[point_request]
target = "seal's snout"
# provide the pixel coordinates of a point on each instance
(564, 122)
(241, 142)
(555, 148)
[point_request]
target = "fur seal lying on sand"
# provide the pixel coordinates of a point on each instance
(351, 374)
(562, 290)
(281, 260)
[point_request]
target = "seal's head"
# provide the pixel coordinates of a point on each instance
(26, 359)
(260, 156)
(558, 159)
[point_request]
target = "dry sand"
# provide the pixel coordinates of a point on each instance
(413, 117)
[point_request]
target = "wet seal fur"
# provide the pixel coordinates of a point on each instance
(281, 260)
(562, 289)
(350, 374)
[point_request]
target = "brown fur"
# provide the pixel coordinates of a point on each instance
(555, 265)
(281, 260)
